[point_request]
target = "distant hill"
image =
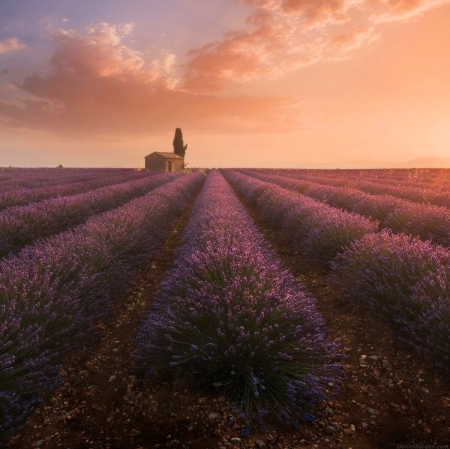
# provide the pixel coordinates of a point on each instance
(423, 162)
(429, 162)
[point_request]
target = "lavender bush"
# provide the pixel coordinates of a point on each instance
(406, 281)
(402, 278)
(69, 185)
(424, 220)
(232, 318)
(410, 185)
(35, 178)
(312, 227)
(432, 329)
(52, 293)
(20, 226)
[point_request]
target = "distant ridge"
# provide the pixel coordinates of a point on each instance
(429, 162)
(423, 162)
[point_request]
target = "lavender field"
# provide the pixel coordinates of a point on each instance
(230, 314)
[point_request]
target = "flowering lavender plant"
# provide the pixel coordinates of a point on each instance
(230, 316)
(406, 281)
(429, 222)
(312, 227)
(20, 226)
(52, 293)
(72, 184)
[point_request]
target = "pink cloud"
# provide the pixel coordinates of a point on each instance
(96, 85)
(10, 45)
(319, 13)
(403, 9)
(283, 35)
(282, 38)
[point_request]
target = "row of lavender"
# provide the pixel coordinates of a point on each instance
(427, 178)
(20, 226)
(30, 178)
(230, 316)
(402, 278)
(426, 221)
(437, 194)
(23, 196)
(52, 293)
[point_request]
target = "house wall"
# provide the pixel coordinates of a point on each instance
(177, 164)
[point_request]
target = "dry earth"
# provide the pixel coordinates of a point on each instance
(389, 397)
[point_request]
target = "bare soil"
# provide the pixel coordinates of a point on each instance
(389, 396)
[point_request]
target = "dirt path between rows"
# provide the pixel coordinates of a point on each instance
(389, 396)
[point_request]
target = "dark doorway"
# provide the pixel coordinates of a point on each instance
(169, 165)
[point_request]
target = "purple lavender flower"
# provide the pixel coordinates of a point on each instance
(237, 318)
(52, 293)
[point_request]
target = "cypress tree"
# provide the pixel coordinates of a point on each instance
(178, 146)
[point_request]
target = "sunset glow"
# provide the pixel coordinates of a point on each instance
(256, 83)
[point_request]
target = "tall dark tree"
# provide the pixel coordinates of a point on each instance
(178, 146)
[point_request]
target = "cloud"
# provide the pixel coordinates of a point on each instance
(283, 36)
(96, 85)
(10, 45)
(393, 10)
(320, 13)
(346, 42)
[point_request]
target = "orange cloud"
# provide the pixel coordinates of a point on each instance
(10, 45)
(284, 36)
(403, 9)
(282, 39)
(318, 13)
(240, 57)
(96, 85)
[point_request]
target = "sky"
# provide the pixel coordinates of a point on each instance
(251, 83)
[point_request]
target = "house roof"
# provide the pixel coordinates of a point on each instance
(166, 155)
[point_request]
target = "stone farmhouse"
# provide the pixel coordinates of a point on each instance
(161, 161)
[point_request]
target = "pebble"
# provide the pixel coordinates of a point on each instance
(134, 433)
(235, 440)
(260, 444)
(214, 415)
(38, 443)
(330, 430)
(112, 379)
(372, 411)
(201, 400)
(385, 363)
